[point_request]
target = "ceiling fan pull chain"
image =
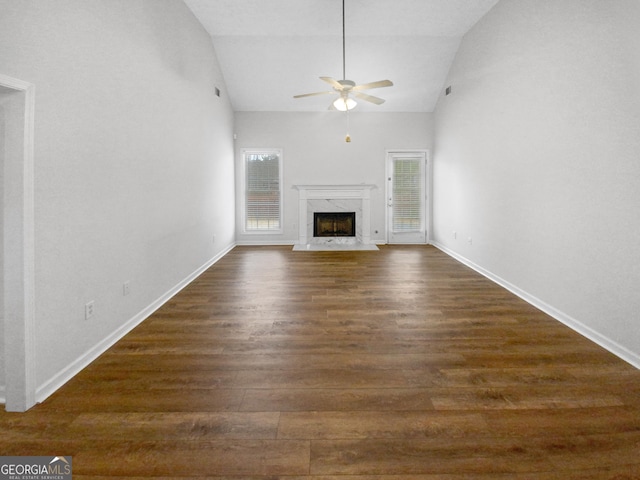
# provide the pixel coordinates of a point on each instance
(348, 137)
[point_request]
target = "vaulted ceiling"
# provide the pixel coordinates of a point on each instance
(271, 50)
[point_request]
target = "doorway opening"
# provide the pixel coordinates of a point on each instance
(17, 352)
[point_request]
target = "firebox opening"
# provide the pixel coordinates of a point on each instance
(334, 224)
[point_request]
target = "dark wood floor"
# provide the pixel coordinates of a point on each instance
(389, 365)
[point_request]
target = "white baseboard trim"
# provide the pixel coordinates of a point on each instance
(3, 397)
(48, 388)
(265, 243)
(596, 337)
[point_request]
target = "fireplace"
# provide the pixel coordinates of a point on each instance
(334, 224)
(351, 200)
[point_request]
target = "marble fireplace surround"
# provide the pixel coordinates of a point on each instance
(334, 198)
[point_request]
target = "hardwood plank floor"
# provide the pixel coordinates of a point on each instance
(387, 365)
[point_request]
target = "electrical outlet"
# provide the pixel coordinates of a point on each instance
(455, 235)
(126, 288)
(470, 241)
(88, 310)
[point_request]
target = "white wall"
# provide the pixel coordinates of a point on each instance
(536, 159)
(315, 152)
(134, 167)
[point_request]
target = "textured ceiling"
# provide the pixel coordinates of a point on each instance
(271, 50)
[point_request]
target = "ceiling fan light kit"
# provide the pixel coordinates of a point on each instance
(345, 87)
(344, 104)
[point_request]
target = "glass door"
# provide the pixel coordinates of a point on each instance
(406, 197)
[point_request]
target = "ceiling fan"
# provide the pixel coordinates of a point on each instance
(348, 87)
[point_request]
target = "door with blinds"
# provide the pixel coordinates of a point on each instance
(406, 197)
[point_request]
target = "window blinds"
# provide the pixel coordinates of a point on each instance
(262, 191)
(407, 191)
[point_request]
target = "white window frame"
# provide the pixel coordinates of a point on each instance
(264, 151)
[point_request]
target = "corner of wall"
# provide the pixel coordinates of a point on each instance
(50, 386)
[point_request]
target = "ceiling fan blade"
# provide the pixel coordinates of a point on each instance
(311, 94)
(333, 82)
(368, 98)
(379, 84)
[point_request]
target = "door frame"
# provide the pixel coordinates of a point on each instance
(427, 189)
(19, 253)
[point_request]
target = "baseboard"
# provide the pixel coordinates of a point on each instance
(596, 337)
(265, 243)
(49, 387)
(3, 396)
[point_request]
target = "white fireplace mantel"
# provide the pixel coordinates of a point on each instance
(334, 192)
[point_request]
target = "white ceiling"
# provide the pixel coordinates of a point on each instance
(271, 50)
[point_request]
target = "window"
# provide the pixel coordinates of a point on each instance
(263, 190)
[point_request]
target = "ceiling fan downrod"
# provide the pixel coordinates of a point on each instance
(344, 47)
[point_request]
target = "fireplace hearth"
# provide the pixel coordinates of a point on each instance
(334, 224)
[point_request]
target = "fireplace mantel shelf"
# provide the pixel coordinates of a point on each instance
(334, 191)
